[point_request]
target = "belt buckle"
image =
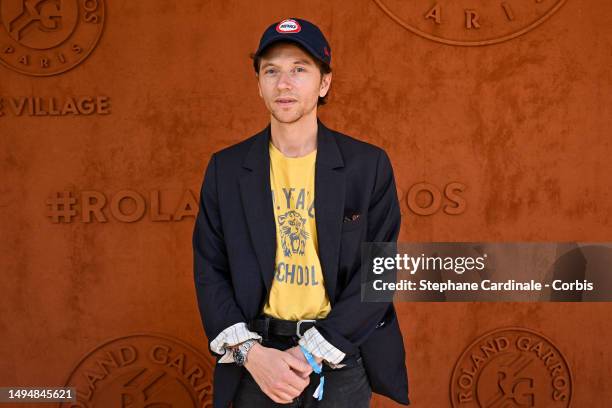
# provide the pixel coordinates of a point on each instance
(297, 328)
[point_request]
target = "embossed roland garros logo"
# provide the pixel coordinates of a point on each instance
(511, 368)
(142, 371)
(47, 37)
(470, 22)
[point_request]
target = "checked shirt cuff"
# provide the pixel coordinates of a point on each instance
(315, 343)
(231, 336)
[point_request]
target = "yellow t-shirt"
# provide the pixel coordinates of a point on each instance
(297, 290)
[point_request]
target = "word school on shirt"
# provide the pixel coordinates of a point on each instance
(296, 274)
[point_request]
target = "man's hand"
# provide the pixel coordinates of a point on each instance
(273, 371)
(297, 353)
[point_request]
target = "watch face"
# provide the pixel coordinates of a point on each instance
(238, 357)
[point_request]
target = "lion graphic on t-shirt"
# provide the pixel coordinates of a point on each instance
(292, 232)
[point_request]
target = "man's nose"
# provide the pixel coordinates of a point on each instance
(284, 81)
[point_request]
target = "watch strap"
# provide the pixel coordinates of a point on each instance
(240, 353)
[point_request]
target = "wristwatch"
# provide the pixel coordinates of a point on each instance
(240, 353)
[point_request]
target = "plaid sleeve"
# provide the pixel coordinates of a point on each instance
(315, 343)
(231, 336)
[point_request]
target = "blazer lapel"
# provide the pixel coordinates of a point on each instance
(256, 195)
(329, 204)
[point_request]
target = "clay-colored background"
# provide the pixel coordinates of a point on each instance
(524, 125)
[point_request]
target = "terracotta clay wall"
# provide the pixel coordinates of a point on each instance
(498, 110)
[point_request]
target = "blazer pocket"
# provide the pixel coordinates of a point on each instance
(353, 225)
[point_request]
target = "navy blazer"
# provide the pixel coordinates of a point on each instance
(234, 246)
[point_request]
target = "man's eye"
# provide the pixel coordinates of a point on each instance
(268, 71)
(300, 69)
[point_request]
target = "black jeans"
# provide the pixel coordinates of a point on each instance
(346, 387)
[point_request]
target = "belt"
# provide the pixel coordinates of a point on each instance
(266, 326)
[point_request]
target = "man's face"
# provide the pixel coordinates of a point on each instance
(290, 82)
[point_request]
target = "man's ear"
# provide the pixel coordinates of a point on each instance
(258, 86)
(325, 84)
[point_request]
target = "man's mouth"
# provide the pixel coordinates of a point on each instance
(285, 101)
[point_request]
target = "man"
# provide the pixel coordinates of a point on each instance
(277, 247)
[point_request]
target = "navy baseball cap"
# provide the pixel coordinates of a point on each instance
(300, 31)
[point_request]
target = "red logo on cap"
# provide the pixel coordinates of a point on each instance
(326, 51)
(288, 26)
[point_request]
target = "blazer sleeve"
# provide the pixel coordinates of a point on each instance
(351, 321)
(213, 284)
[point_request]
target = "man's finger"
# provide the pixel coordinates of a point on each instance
(296, 364)
(290, 389)
(296, 381)
(303, 374)
(307, 371)
(281, 397)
